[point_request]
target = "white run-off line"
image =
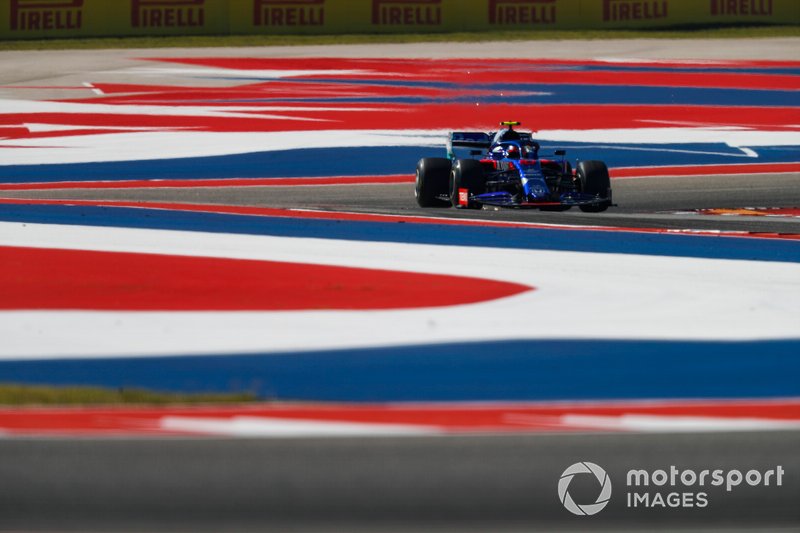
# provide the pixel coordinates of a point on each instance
(579, 296)
(133, 144)
(259, 426)
(272, 427)
(143, 143)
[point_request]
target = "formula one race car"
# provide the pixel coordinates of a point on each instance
(509, 173)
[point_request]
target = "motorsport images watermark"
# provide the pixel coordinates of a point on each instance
(671, 488)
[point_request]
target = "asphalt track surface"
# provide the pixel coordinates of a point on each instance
(405, 484)
(466, 483)
(665, 202)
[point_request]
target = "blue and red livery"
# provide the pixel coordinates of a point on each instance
(504, 170)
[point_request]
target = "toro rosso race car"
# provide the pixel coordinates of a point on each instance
(504, 170)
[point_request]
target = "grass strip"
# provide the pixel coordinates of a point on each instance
(19, 395)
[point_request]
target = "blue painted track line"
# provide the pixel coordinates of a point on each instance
(530, 370)
(371, 161)
(551, 93)
(616, 242)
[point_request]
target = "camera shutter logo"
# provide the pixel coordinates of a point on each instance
(586, 509)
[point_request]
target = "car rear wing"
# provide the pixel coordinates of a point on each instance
(474, 140)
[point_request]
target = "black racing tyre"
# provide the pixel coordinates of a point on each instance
(466, 174)
(594, 179)
(559, 170)
(433, 182)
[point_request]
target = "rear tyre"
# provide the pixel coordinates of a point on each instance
(594, 179)
(466, 178)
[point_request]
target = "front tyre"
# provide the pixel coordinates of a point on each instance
(431, 185)
(595, 181)
(466, 180)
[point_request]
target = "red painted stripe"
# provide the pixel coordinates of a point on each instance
(616, 173)
(415, 117)
(704, 170)
(453, 418)
(228, 182)
(368, 86)
(38, 278)
(368, 217)
(725, 75)
(376, 64)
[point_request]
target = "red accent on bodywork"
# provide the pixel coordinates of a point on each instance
(463, 197)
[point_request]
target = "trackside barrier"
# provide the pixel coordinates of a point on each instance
(34, 19)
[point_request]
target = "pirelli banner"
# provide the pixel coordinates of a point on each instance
(35, 19)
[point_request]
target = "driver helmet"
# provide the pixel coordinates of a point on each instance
(512, 151)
